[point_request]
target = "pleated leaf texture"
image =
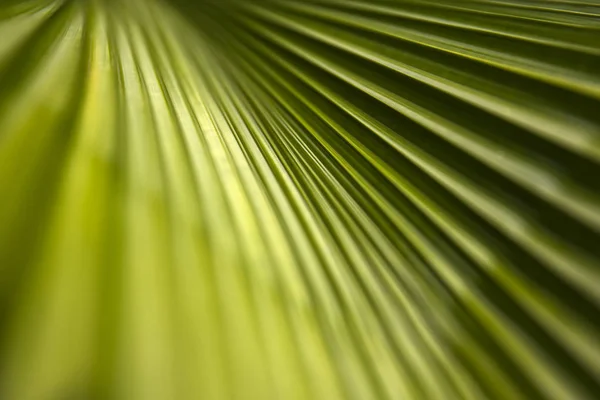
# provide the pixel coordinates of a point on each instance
(336, 199)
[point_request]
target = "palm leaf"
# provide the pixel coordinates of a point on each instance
(299, 199)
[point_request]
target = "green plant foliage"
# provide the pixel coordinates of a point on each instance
(336, 199)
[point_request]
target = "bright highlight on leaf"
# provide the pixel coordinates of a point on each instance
(278, 199)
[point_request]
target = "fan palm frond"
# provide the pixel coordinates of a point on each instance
(299, 199)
